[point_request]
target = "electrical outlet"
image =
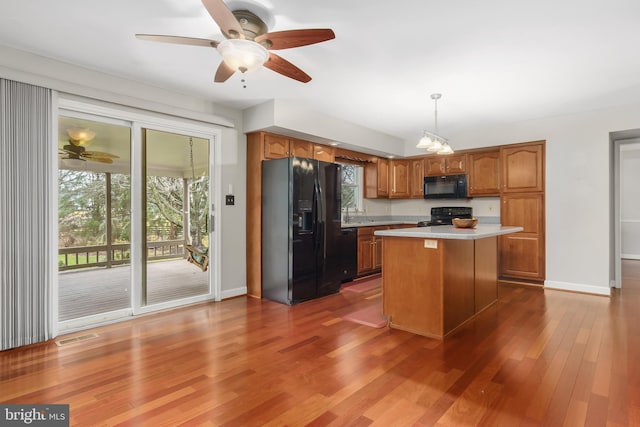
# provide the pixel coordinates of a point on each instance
(430, 244)
(230, 200)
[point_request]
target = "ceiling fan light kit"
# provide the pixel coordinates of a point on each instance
(76, 150)
(243, 55)
(80, 136)
(248, 45)
(431, 141)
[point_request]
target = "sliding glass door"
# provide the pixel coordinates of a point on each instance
(94, 217)
(176, 217)
(134, 216)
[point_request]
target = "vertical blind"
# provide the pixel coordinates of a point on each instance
(26, 162)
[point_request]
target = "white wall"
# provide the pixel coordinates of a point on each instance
(28, 68)
(630, 199)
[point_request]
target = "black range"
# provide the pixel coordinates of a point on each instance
(445, 215)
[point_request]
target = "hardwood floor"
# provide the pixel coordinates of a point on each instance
(535, 358)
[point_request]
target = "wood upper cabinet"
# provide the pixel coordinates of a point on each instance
(376, 179)
(522, 167)
(522, 254)
(445, 164)
(416, 186)
(275, 146)
(324, 153)
(278, 147)
(299, 148)
(484, 173)
(399, 179)
(383, 177)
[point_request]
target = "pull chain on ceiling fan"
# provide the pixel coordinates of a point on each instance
(248, 45)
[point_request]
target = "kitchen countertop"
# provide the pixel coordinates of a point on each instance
(450, 232)
(374, 223)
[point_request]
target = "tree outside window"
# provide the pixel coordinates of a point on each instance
(352, 187)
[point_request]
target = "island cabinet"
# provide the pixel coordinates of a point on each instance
(376, 178)
(484, 173)
(400, 179)
(445, 164)
(435, 281)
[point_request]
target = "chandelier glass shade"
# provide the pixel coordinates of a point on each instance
(243, 55)
(431, 141)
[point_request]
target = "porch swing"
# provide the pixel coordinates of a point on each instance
(197, 254)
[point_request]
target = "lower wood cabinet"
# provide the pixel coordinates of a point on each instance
(370, 248)
(522, 254)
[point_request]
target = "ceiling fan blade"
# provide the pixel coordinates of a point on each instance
(295, 38)
(94, 154)
(98, 159)
(228, 23)
(192, 41)
(223, 72)
(280, 65)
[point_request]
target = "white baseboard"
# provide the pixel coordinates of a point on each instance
(630, 256)
(232, 293)
(577, 287)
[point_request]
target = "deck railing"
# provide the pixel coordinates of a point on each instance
(117, 254)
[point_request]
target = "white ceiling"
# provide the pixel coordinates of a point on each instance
(494, 61)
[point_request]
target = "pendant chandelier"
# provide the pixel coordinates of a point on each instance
(432, 141)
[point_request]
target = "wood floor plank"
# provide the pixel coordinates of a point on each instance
(537, 357)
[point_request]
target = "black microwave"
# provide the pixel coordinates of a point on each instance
(445, 187)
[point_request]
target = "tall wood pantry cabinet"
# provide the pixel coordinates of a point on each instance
(522, 255)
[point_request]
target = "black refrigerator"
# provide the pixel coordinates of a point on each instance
(301, 229)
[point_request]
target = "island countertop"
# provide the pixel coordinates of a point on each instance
(450, 232)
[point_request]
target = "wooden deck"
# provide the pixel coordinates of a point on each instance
(100, 290)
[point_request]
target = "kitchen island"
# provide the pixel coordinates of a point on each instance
(434, 279)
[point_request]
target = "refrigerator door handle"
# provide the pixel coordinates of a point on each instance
(314, 215)
(321, 218)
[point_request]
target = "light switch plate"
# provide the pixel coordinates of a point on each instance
(430, 244)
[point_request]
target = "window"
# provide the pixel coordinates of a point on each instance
(352, 177)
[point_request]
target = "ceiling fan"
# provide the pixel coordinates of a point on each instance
(78, 140)
(248, 45)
